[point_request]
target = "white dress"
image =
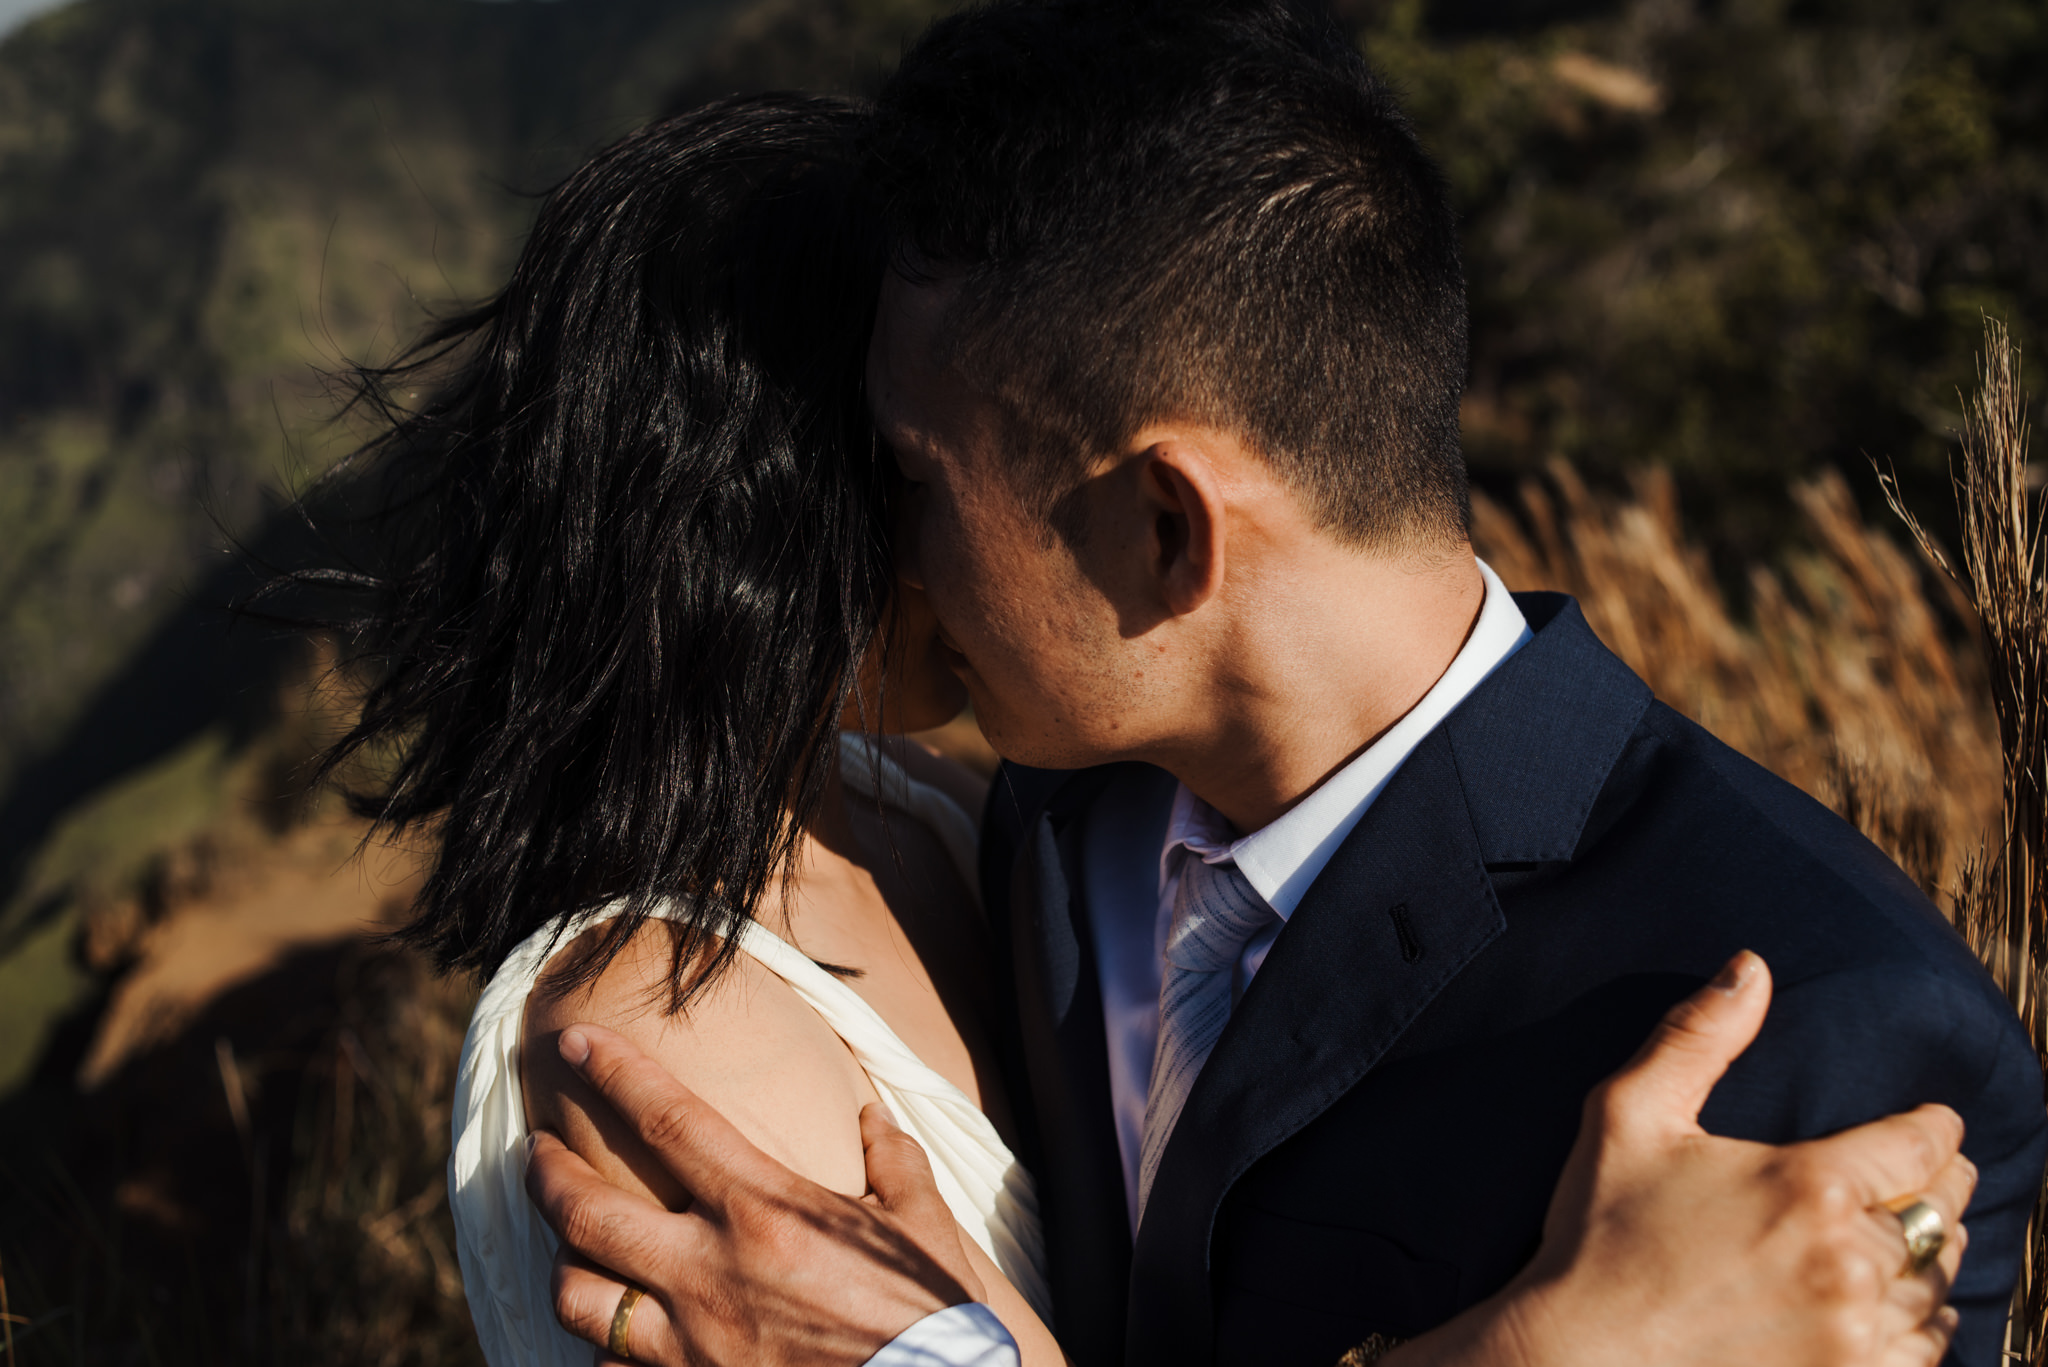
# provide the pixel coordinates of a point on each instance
(507, 1250)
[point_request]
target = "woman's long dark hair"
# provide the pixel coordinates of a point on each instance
(633, 543)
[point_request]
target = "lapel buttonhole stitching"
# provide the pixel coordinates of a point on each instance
(1411, 948)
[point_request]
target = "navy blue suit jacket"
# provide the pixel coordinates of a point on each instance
(1373, 1143)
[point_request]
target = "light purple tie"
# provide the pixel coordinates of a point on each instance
(1216, 912)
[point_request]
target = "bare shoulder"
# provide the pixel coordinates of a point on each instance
(748, 1045)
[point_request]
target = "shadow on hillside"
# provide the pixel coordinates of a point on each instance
(202, 668)
(218, 1199)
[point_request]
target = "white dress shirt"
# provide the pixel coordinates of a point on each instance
(1131, 881)
(1131, 877)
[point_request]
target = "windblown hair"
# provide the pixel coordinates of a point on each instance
(634, 543)
(1205, 210)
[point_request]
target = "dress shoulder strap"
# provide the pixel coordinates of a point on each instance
(877, 1048)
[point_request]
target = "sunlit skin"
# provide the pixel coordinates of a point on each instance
(1205, 624)
(881, 898)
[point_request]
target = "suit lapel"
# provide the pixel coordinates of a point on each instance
(1403, 906)
(1059, 999)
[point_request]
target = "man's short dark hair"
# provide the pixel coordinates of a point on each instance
(1194, 210)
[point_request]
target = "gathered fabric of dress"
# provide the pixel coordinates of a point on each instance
(506, 1250)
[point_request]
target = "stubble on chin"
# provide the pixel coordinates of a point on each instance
(1070, 709)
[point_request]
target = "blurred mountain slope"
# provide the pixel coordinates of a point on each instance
(203, 206)
(201, 203)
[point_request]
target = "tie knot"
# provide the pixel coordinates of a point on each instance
(1216, 912)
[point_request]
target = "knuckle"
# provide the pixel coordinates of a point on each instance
(570, 1298)
(1825, 1283)
(1951, 1121)
(780, 1232)
(584, 1227)
(1862, 1283)
(669, 1125)
(1863, 1338)
(1849, 1334)
(1916, 1297)
(1840, 1275)
(1607, 1105)
(907, 1150)
(602, 1068)
(1820, 1190)
(1686, 1021)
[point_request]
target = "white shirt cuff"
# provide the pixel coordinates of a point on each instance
(959, 1336)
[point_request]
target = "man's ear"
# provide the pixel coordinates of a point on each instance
(1184, 505)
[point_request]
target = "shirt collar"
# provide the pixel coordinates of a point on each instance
(1282, 858)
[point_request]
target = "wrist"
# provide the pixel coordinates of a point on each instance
(1509, 1329)
(1567, 1317)
(1525, 1328)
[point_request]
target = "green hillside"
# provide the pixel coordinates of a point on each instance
(201, 203)
(203, 207)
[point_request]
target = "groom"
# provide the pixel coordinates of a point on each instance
(1338, 875)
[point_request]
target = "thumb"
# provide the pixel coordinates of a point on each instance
(899, 1172)
(1666, 1084)
(900, 1181)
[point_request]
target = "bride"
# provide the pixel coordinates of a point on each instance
(643, 581)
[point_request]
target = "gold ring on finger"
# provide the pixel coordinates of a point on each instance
(619, 1344)
(1926, 1234)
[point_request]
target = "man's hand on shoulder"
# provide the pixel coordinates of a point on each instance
(762, 1266)
(1667, 1244)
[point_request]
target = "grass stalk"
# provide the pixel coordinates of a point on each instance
(1999, 906)
(6, 1318)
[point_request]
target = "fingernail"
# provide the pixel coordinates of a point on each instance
(532, 1143)
(887, 1114)
(575, 1048)
(1735, 973)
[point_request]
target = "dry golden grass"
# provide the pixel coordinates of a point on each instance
(1856, 674)
(1843, 675)
(364, 1266)
(1999, 905)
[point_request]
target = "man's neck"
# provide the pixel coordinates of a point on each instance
(1330, 662)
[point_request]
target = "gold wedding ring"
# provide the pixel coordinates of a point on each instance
(1925, 1233)
(622, 1319)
